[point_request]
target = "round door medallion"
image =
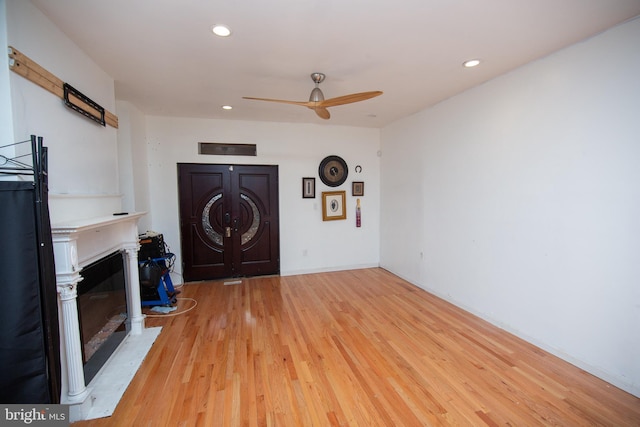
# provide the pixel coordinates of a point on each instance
(333, 171)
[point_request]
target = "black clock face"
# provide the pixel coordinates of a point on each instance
(333, 171)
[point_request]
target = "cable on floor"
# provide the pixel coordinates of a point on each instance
(195, 304)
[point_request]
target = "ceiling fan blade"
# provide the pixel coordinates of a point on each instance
(348, 99)
(322, 112)
(303, 103)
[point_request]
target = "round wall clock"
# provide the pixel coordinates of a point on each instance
(333, 171)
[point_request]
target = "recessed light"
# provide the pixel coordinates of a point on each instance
(221, 30)
(471, 63)
(227, 107)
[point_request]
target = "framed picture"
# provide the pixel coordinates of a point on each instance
(334, 205)
(357, 188)
(308, 188)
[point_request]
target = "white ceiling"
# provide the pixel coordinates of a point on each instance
(166, 61)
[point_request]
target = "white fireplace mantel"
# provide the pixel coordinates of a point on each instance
(77, 244)
(87, 240)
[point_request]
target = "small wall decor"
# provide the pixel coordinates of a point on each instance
(333, 171)
(357, 188)
(308, 188)
(333, 205)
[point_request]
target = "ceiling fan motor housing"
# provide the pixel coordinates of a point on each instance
(316, 95)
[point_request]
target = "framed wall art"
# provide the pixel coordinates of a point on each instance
(308, 188)
(357, 188)
(334, 205)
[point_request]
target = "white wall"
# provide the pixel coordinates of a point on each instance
(132, 162)
(307, 244)
(6, 116)
(526, 208)
(82, 154)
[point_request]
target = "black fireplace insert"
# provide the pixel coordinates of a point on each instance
(102, 311)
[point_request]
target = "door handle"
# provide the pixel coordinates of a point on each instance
(227, 221)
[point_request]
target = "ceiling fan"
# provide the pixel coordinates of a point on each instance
(318, 103)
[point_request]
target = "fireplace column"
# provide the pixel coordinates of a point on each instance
(67, 287)
(133, 283)
(77, 388)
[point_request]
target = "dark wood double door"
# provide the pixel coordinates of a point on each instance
(229, 220)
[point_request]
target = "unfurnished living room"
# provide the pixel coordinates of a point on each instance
(320, 213)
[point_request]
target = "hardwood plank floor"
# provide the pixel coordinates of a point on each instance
(358, 348)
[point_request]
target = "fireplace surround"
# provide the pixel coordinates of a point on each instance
(76, 245)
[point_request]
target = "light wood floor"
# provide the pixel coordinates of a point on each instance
(358, 348)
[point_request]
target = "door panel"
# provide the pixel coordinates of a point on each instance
(228, 220)
(201, 195)
(256, 249)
